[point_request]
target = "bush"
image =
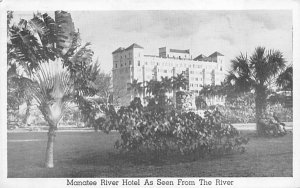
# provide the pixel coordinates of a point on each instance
(157, 134)
(271, 126)
(238, 114)
(241, 109)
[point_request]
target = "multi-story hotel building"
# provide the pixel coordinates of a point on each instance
(131, 63)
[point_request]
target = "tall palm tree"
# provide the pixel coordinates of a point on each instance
(167, 84)
(180, 82)
(136, 87)
(257, 73)
(213, 91)
(151, 87)
(59, 70)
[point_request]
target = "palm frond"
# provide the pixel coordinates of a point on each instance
(37, 24)
(240, 83)
(64, 31)
(180, 82)
(51, 37)
(26, 47)
(52, 82)
(285, 79)
(275, 62)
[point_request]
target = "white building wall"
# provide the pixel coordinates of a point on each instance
(134, 64)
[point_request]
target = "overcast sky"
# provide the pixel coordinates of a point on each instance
(203, 32)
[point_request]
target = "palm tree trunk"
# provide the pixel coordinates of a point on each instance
(24, 120)
(260, 109)
(50, 146)
(52, 115)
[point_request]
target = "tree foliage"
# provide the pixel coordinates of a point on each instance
(56, 69)
(257, 73)
(145, 131)
(285, 79)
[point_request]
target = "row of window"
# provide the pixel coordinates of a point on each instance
(125, 56)
(195, 85)
(171, 71)
(170, 64)
(125, 64)
(196, 79)
(163, 64)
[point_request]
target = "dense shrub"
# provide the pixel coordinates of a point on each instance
(246, 114)
(283, 114)
(271, 126)
(169, 132)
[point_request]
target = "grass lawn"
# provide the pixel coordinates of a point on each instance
(91, 154)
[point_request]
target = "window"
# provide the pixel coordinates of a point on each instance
(129, 62)
(121, 65)
(196, 79)
(139, 63)
(116, 65)
(165, 71)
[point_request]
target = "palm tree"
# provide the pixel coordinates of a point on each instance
(167, 84)
(151, 87)
(214, 91)
(158, 100)
(180, 82)
(58, 70)
(136, 87)
(257, 73)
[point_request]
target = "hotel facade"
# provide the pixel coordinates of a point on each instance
(132, 63)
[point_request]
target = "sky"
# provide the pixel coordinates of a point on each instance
(203, 32)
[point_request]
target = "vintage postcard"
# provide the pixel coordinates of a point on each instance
(149, 94)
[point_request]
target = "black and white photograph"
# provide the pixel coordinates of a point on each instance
(149, 95)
